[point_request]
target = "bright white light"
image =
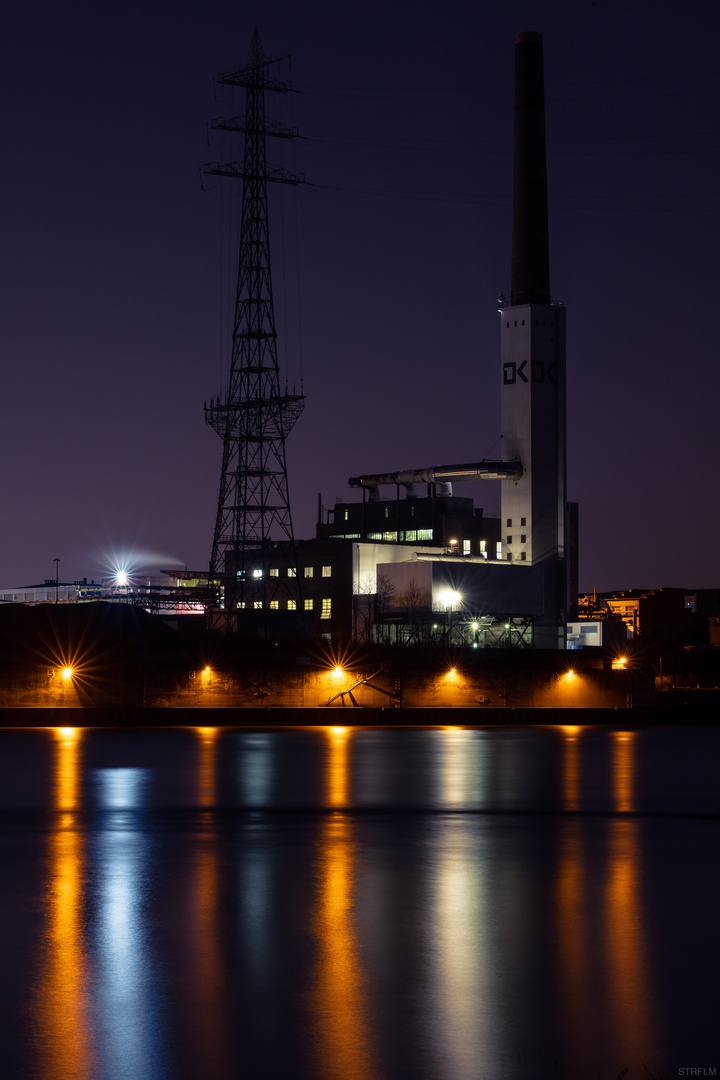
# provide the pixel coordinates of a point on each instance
(449, 598)
(121, 788)
(121, 577)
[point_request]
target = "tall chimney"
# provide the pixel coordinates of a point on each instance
(530, 248)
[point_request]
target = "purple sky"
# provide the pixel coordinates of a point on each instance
(115, 273)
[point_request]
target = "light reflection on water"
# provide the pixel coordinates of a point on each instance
(339, 998)
(205, 979)
(127, 1005)
(63, 1007)
(460, 1007)
(427, 942)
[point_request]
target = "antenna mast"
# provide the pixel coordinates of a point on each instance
(253, 417)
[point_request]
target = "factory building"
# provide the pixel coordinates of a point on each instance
(454, 525)
(437, 568)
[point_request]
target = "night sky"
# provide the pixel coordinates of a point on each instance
(116, 272)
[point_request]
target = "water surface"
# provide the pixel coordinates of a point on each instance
(339, 903)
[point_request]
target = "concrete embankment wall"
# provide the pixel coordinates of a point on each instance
(434, 685)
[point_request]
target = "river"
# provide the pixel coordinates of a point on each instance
(359, 904)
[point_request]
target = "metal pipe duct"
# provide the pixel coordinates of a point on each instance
(443, 474)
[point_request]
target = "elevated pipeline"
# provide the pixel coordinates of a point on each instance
(442, 474)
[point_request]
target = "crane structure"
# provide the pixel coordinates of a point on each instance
(253, 417)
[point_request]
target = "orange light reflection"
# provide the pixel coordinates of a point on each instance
(337, 786)
(628, 980)
(206, 988)
(571, 766)
(63, 1006)
(573, 935)
(623, 762)
(208, 754)
(339, 998)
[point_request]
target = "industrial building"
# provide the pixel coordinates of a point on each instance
(436, 569)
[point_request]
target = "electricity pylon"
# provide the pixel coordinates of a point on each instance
(253, 417)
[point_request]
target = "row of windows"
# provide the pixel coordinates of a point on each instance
(522, 556)
(325, 608)
(308, 571)
(537, 323)
(523, 521)
(523, 539)
(414, 536)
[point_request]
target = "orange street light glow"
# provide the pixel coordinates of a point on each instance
(337, 671)
(67, 673)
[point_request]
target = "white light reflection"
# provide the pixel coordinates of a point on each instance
(464, 980)
(121, 789)
(256, 769)
(254, 885)
(128, 1007)
(461, 772)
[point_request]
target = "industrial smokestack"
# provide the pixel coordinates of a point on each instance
(530, 248)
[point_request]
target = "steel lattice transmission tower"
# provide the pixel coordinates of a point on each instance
(253, 417)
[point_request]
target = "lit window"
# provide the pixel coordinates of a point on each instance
(308, 605)
(411, 534)
(425, 534)
(292, 572)
(308, 571)
(374, 536)
(327, 637)
(387, 512)
(346, 515)
(274, 604)
(257, 573)
(498, 550)
(291, 605)
(466, 547)
(275, 572)
(389, 536)
(257, 604)
(326, 612)
(241, 604)
(327, 571)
